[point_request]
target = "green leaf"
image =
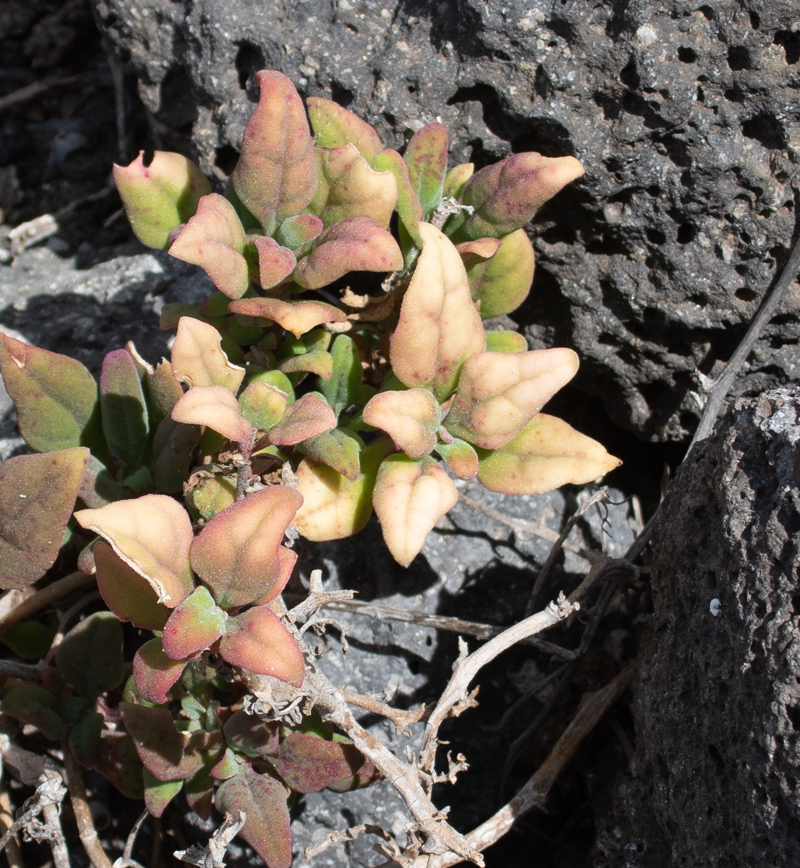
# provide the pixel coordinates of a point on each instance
(126, 424)
(263, 800)
(32, 704)
(29, 640)
(502, 341)
(98, 486)
(84, 737)
(117, 761)
(409, 208)
(335, 126)
(337, 449)
(426, 158)
(193, 626)
(460, 457)
(503, 282)
(158, 794)
(343, 387)
(173, 447)
(89, 657)
(37, 495)
(161, 196)
(55, 397)
(262, 405)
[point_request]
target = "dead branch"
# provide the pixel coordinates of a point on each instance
(31, 91)
(345, 837)
(73, 777)
(55, 591)
(13, 853)
(400, 718)
(213, 855)
(126, 860)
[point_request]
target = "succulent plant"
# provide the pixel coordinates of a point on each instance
(292, 398)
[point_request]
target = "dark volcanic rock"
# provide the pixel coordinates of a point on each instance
(684, 115)
(717, 695)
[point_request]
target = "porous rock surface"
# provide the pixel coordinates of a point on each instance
(718, 687)
(684, 115)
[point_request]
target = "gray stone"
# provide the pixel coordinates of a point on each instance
(715, 779)
(653, 264)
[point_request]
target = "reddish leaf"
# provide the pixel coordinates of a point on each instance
(460, 457)
(275, 263)
(411, 418)
(287, 558)
(129, 596)
(198, 358)
(193, 626)
(309, 764)
(237, 554)
(250, 735)
(308, 416)
(297, 317)
(55, 397)
(217, 408)
(258, 642)
(117, 761)
(152, 534)
(154, 673)
(37, 495)
(276, 176)
(355, 244)
(163, 390)
(263, 800)
(161, 196)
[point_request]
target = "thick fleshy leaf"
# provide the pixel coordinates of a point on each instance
(335, 448)
(502, 341)
(199, 360)
(276, 176)
(411, 418)
(212, 495)
(335, 126)
(479, 250)
(426, 158)
(126, 423)
(89, 657)
(98, 486)
(167, 754)
(214, 239)
(199, 792)
(55, 397)
(161, 196)
(215, 407)
(309, 764)
(227, 767)
(460, 457)
(258, 642)
(316, 362)
(287, 560)
(499, 393)
(31, 703)
(343, 387)
(298, 232)
(507, 194)
(456, 178)
(503, 282)
(173, 446)
(129, 596)
(163, 390)
(439, 327)
(84, 737)
(349, 188)
(263, 801)
(154, 673)
(37, 495)
(237, 552)
(297, 317)
(355, 244)
(365, 776)
(262, 405)
(158, 794)
(250, 735)
(308, 416)
(152, 534)
(335, 507)
(117, 761)
(545, 455)
(275, 263)
(193, 626)
(409, 208)
(409, 498)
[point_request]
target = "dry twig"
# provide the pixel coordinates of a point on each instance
(55, 591)
(126, 860)
(73, 777)
(213, 855)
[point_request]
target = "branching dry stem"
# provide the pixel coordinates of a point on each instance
(73, 777)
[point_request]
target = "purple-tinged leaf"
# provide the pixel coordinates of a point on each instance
(502, 282)
(456, 178)
(499, 393)
(193, 626)
(198, 358)
(152, 534)
(154, 673)
(249, 735)
(355, 244)
(199, 791)
(505, 342)
(366, 776)
(411, 418)
(507, 194)
(237, 553)
(309, 764)
(275, 263)
(258, 642)
(349, 188)
(308, 416)
(214, 239)
(263, 800)
(173, 446)
(217, 408)
(335, 448)
(439, 327)
(409, 498)
(545, 455)
(37, 495)
(276, 176)
(262, 405)
(117, 761)
(297, 317)
(126, 424)
(409, 208)
(89, 657)
(129, 596)
(460, 457)
(161, 196)
(32, 704)
(335, 127)
(426, 158)
(158, 794)
(55, 397)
